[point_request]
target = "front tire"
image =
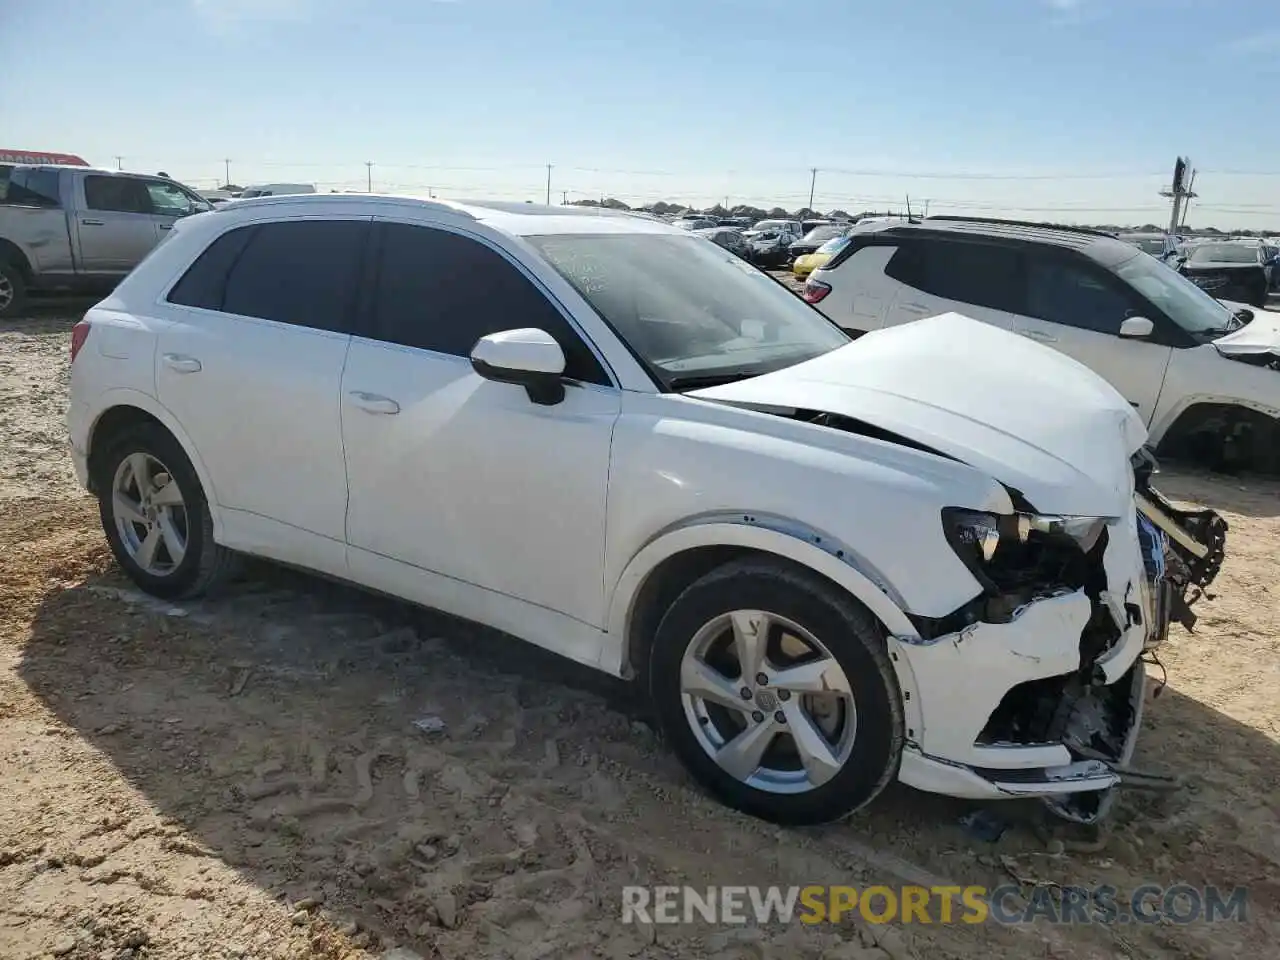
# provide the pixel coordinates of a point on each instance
(155, 515)
(775, 690)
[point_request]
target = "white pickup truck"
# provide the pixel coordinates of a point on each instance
(80, 229)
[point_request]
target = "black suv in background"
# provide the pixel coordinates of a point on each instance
(1232, 269)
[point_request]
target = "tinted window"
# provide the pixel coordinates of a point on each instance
(32, 186)
(205, 280)
(1063, 292)
(443, 292)
(983, 274)
(300, 271)
(117, 194)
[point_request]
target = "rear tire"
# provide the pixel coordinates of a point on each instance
(13, 291)
(829, 713)
(155, 515)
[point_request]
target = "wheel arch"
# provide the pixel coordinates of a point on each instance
(1176, 435)
(122, 409)
(1176, 417)
(10, 252)
(671, 561)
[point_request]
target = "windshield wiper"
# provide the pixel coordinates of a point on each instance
(697, 382)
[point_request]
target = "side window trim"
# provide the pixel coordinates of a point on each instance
(364, 316)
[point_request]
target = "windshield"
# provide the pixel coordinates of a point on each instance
(690, 310)
(1186, 304)
(768, 226)
(822, 234)
(1224, 253)
(1151, 245)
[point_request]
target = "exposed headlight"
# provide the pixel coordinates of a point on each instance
(972, 534)
(1083, 530)
(977, 536)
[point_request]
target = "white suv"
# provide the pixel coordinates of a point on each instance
(833, 564)
(1202, 378)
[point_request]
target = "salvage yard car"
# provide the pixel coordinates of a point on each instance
(1232, 269)
(80, 229)
(1202, 378)
(931, 555)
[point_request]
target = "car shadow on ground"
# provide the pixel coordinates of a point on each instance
(1249, 495)
(276, 725)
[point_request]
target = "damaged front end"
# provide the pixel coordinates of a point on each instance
(1046, 664)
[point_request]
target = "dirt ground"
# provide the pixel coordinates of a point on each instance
(242, 778)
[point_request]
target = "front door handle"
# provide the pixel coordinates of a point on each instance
(914, 307)
(374, 403)
(166, 226)
(92, 223)
(1038, 335)
(181, 364)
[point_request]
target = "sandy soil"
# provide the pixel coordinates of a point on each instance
(243, 779)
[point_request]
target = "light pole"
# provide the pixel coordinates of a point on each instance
(368, 169)
(813, 181)
(548, 184)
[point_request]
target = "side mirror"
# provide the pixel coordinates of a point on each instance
(1136, 328)
(529, 357)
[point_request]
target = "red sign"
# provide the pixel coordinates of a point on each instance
(40, 156)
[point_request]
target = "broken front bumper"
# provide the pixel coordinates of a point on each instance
(1049, 703)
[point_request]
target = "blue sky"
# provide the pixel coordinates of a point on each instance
(1071, 109)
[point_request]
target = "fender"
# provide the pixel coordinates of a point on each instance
(1158, 430)
(128, 397)
(791, 545)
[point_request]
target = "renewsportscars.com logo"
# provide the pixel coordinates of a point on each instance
(1180, 903)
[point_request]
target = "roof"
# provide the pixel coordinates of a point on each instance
(520, 219)
(1099, 246)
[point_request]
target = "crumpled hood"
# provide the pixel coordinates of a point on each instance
(1028, 416)
(1260, 335)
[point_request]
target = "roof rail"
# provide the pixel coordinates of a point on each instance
(1024, 223)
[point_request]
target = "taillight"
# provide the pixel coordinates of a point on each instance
(79, 334)
(815, 290)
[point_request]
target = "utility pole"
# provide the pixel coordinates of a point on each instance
(119, 162)
(1187, 206)
(813, 180)
(368, 169)
(564, 198)
(226, 167)
(548, 184)
(1179, 190)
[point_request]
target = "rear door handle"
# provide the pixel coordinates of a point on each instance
(374, 403)
(1038, 335)
(180, 364)
(92, 223)
(166, 226)
(914, 307)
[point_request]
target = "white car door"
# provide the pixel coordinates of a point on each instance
(979, 280)
(251, 365)
(464, 494)
(1077, 307)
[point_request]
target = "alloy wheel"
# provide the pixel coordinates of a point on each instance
(768, 702)
(150, 514)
